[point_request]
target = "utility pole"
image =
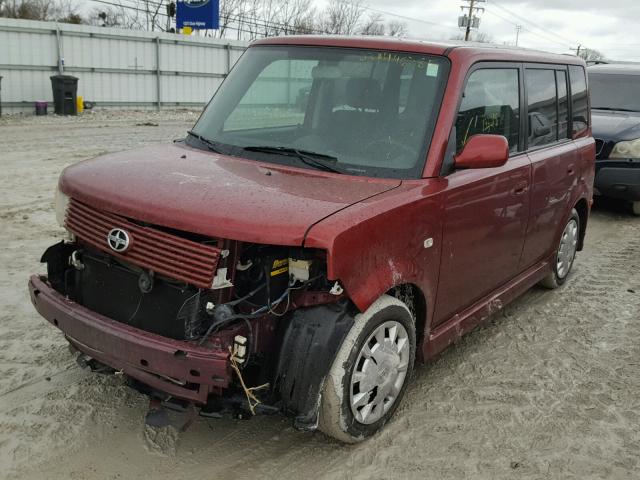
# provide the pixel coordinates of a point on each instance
(468, 32)
(471, 20)
(518, 28)
(577, 49)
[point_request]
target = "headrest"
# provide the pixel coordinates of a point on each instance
(363, 93)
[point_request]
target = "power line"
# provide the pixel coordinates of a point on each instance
(240, 19)
(405, 17)
(533, 24)
(129, 7)
(524, 29)
(263, 24)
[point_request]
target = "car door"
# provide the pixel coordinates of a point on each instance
(485, 210)
(554, 157)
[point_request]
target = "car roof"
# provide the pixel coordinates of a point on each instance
(615, 68)
(471, 49)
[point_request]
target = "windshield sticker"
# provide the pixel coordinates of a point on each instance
(432, 70)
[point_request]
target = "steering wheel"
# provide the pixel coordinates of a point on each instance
(390, 149)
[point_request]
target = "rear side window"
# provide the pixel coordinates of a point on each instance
(542, 107)
(579, 101)
(490, 105)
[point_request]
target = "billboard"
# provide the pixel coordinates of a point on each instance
(198, 14)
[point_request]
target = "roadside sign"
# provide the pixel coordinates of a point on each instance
(198, 14)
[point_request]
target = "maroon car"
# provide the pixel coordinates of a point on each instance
(341, 208)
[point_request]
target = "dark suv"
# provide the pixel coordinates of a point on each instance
(615, 100)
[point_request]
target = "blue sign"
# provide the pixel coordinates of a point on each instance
(198, 14)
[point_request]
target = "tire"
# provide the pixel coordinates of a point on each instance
(564, 258)
(635, 208)
(388, 369)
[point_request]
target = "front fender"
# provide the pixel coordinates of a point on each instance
(389, 240)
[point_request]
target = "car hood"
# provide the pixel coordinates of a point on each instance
(201, 192)
(615, 125)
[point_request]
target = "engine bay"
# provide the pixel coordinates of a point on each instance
(252, 281)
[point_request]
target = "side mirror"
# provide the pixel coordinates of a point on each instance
(483, 151)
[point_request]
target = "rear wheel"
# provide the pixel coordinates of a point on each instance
(370, 372)
(636, 208)
(565, 254)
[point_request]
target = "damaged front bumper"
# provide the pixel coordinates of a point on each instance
(180, 369)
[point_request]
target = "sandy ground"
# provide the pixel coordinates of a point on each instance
(548, 388)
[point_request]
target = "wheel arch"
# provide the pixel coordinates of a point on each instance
(582, 207)
(415, 299)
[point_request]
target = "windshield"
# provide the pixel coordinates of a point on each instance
(615, 91)
(352, 111)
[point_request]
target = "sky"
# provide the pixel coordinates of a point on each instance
(609, 26)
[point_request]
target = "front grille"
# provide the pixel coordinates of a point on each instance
(165, 254)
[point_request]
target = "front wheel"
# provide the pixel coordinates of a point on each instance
(635, 206)
(565, 254)
(370, 372)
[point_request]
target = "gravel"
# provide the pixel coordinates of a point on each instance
(547, 388)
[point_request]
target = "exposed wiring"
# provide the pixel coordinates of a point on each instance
(187, 301)
(135, 312)
(225, 321)
(247, 296)
(215, 327)
(250, 338)
(252, 400)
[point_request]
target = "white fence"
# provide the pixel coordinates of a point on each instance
(116, 68)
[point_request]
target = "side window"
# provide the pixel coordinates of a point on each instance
(490, 105)
(563, 105)
(579, 102)
(542, 106)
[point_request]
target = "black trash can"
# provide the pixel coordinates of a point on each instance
(65, 89)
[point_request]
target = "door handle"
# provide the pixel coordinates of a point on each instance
(570, 170)
(520, 188)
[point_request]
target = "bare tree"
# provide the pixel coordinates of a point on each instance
(396, 28)
(263, 18)
(45, 10)
(590, 55)
(229, 11)
(67, 12)
(480, 37)
(342, 17)
(152, 10)
(117, 16)
(373, 25)
(296, 16)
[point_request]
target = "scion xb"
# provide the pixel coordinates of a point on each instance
(342, 208)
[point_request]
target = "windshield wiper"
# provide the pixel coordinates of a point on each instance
(313, 159)
(211, 145)
(614, 109)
